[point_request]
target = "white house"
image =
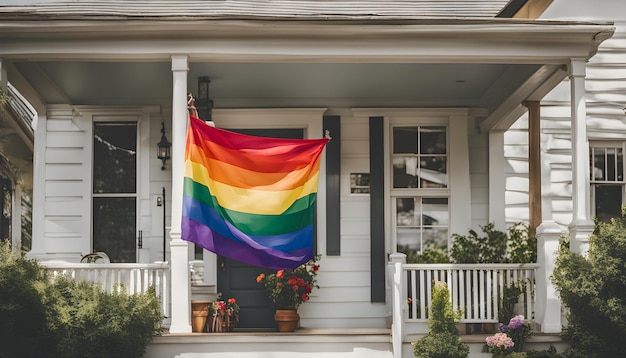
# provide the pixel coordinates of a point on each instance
(418, 97)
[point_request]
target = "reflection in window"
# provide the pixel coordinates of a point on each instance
(420, 157)
(607, 179)
(421, 223)
(359, 183)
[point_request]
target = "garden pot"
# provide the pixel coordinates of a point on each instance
(287, 320)
(199, 315)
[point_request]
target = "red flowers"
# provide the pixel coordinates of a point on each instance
(290, 288)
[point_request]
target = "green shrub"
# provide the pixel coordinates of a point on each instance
(548, 353)
(593, 287)
(433, 255)
(65, 319)
(495, 246)
(22, 312)
(442, 340)
(522, 245)
(88, 322)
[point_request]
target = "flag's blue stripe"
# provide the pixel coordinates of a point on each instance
(208, 216)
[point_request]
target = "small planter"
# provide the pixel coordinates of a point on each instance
(199, 315)
(287, 320)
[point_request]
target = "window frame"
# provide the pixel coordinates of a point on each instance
(130, 118)
(416, 193)
(593, 183)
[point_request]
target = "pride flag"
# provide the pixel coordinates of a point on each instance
(250, 198)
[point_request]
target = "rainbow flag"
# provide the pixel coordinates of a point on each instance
(250, 198)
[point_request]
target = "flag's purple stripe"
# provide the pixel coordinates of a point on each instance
(208, 216)
(205, 237)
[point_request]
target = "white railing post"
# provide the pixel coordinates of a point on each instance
(398, 302)
(548, 303)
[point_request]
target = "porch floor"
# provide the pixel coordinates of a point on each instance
(303, 343)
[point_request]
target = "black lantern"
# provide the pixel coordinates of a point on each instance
(204, 104)
(163, 147)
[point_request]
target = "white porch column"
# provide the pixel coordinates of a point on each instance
(548, 303)
(181, 285)
(497, 188)
(398, 302)
(581, 226)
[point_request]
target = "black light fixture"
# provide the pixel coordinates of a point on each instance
(163, 147)
(204, 104)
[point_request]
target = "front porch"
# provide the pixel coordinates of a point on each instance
(475, 289)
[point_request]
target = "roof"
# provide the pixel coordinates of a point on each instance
(271, 9)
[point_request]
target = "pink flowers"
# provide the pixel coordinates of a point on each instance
(500, 340)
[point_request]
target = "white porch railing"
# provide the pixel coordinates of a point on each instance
(475, 289)
(135, 277)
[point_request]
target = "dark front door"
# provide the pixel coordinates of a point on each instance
(238, 280)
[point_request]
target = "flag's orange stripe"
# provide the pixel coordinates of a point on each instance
(243, 178)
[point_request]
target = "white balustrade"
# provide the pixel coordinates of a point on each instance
(475, 289)
(110, 277)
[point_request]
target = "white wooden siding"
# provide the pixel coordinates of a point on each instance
(606, 98)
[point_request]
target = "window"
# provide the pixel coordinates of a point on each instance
(115, 189)
(420, 187)
(607, 179)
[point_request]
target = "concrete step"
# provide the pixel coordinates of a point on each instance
(356, 353)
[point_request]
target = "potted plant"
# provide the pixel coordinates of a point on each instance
(288, 289)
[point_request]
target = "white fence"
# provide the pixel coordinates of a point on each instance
(475, 289)
(136, 278)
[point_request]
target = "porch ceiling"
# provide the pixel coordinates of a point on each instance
(239, 85)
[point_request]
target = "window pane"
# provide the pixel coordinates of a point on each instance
(598, 164)
(620, 164)
(115, 157)
(433, 172)
(434, 237)
(435, 211)
(405, 140)
(409, 240)
(608, 201)
(405, 172)
(114, 228)
(610, 164)
(406, 213)
(432, 140)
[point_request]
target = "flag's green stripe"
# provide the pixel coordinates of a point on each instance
(298, 216)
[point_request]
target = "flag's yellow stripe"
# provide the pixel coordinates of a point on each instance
(250, 201)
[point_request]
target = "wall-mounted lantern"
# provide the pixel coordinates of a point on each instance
(163, 147)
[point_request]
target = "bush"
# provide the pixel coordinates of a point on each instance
(88, 322)
(516, 245)
(593, 288)
(442, 340)
(549, 353)
(433, 255)
(65, 319)
(22, 312)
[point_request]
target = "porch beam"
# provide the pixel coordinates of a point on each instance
(181, 287)
(581, 226)
(534, 164)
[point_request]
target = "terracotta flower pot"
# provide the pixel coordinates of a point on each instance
(287, 320)
(199, 314)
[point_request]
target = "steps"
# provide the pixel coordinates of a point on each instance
(356, 353)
